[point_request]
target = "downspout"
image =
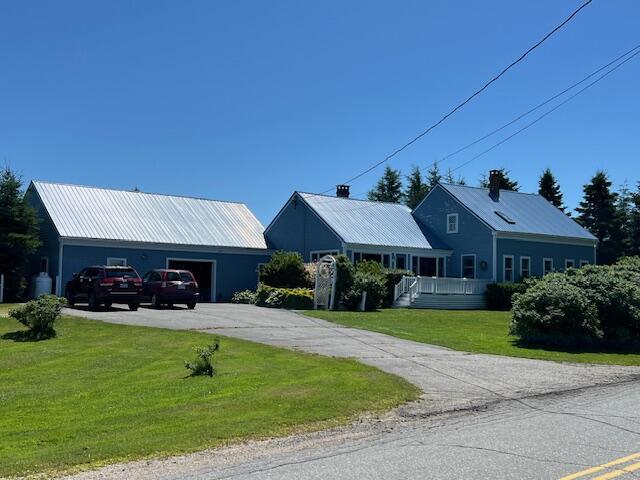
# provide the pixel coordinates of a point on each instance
(59, 280)
(494, 275)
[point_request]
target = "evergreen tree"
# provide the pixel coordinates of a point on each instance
(634, 223)
(505, 183)
(18, 234)
(451, 179)
(416, 188)
(598, 214)
(548, 187)
(624, 208)
(433, 176)
(388, 188)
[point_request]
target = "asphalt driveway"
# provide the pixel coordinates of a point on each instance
(450, 379)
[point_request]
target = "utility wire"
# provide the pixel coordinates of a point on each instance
(468, 99)
(528, 112)
(544, 114)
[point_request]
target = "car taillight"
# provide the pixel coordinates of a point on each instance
(164, 285)
(137, 282)
(106, 282)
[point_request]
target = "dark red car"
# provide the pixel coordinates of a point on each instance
(168, 287)
(105, 285)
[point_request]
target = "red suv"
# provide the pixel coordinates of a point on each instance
(105, 285)
(168, 287)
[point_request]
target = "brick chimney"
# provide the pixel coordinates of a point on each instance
(342, 191)
(494, 185)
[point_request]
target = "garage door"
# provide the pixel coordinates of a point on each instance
(203, 271)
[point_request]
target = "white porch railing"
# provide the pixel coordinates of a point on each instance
(414, 286)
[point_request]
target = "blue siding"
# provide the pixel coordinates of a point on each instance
(49, 239)
(234, 271)
(299, 229)
(473, 236)
(539, 251)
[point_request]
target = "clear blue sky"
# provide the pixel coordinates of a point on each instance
(249, 101)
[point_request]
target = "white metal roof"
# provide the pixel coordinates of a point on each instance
(104, 214)
(369, 223)
(517, 212)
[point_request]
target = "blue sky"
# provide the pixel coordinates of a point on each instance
(249, 101)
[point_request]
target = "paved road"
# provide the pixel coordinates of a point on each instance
(509, 433)
(549, 437)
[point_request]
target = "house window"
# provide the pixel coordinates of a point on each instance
(44, 264)
(452, 223)
(525, 267)
(468, 266)
(386, 261)
(507, 268)
(547, 266)
(116, 262)
(401, 262)
(356, 257)
(569, 263)
(317, 255)
(583, 263)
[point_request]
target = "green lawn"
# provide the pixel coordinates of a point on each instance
(5, 307)
(470, 331)
(100, 393)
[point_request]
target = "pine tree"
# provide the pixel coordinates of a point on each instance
(597, 213)
(451, 179)
(624, 207)
(634, 223)
(416, 188)
(388, 188)
(433, 176)
(505, 183)
(18, 234)
(548, 187)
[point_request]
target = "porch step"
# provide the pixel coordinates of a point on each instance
(450, 302)
(402, 301)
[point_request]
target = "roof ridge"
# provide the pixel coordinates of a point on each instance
(354, 199)
(444, 184)
(65, 184)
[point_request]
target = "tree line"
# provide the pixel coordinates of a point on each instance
(613, 217)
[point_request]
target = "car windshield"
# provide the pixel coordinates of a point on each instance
(186, 277)
(120, 272)
(173, 277)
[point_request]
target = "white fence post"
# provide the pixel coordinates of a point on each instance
(1, 287)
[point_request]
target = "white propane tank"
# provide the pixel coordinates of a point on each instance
(42, 285)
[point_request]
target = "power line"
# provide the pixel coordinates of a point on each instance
(517, 132)
(471, 97)
(528, 112)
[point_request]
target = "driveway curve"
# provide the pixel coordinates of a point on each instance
(451, 380)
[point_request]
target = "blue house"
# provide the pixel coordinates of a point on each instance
(456, 241)
(222, 243)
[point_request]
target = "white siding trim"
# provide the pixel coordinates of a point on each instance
(544, 260)
(504, 268)
(450, 216)
(475, 267)
(118, 260)
(529, 272)
(567, 260)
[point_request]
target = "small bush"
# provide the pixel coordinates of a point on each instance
(40, 315)
(375, 287)
(245, 296)
(204, 362)
(345, 272)
(285, 270)
(499, 295)
(289, 298)
(371, 267)
(555, 311)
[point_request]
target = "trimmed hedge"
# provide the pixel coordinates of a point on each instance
(285, 270)
(289, 298)
(365, 281)
(500, 295)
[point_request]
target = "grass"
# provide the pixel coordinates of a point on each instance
(470, 331)
(100, 393)
(5, 307)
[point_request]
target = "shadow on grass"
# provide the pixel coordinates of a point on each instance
(630, 348)
(27, 336)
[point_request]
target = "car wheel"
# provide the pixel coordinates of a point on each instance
(93, 301)
(156, 301)
(133, 306)
(70, 298)
(170, 305)
(107, 305)
(191, 305)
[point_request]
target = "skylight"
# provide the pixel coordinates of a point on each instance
(505, 217)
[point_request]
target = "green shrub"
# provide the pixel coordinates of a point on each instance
(40, 315)
(345, 272)
(289, 298)
(499, 295)
(204, 362)
(371, 267)
(368, 282)
(285, 270)
(555, 311)
(244, 296)
(391, 278)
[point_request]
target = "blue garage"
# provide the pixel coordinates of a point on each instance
(222, 243)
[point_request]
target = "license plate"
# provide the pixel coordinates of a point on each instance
(124, 285)
(181, 287)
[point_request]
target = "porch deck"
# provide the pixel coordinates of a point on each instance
(441, 293)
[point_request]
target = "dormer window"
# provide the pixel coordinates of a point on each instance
(452, 223)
